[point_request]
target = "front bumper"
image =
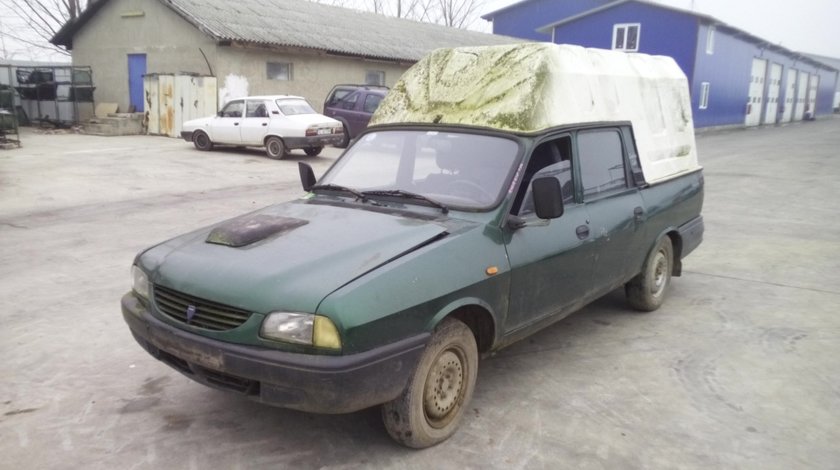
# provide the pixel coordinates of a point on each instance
(313, 141)
(187, 135)
(307, 382)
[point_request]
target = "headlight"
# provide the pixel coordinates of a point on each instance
(301, 328)
(141, 282)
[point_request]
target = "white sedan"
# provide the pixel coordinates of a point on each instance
(278, 123)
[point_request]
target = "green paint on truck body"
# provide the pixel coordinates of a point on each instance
(387, 268)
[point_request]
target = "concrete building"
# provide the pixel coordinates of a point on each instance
(255, 47)
(736, 79)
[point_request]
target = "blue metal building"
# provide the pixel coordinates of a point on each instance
(735, 78)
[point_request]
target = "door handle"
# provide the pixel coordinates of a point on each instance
(638, 212)
(235, 123)
(582, 232)
(264, 124)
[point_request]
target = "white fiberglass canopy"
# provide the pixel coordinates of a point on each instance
(527, 88)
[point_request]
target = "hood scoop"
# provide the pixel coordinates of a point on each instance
(251, 229)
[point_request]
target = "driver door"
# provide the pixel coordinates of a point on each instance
(226, 127)
(551, 260)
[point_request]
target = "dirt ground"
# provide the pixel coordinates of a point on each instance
(739, 369)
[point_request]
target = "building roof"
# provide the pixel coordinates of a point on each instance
(309, 25)
(703, 17)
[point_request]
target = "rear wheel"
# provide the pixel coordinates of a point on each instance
(430, 408)
(646, 292)
(202, 141)
(345, 140)
(313, 151)
(275, 148)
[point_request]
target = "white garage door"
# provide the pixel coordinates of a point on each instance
(756, 93)
(812, 94)
(774, 86)
(790, 95)
(801, 95)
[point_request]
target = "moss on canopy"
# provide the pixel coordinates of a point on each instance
(497, 86)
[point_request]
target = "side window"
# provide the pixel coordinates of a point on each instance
(338, 95)
(349, 102)
(256, 109)
(371, 103)
(233, 109)
(601, 162)
(552, 158)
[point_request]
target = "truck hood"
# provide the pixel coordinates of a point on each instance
(285, 257)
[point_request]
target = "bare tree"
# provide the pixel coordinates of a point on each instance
(43, 19)
(458, 13)
(454, 13)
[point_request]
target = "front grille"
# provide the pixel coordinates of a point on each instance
(209, 315)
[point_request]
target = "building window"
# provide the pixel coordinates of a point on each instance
(626, 37)
(704, 95)
(710, 40)
(375, 77)
(279, 70)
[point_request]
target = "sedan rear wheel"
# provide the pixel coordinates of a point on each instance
(275, 148)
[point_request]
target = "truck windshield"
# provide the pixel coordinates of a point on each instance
(460, 170)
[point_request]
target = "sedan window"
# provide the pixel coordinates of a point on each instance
(233, 109)
(256, 109)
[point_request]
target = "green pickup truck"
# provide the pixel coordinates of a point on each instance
(497, 190)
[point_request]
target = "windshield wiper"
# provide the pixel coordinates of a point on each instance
(338, 187)
(407, 195)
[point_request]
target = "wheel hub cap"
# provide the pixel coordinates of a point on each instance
(659, 274)
(443, 386)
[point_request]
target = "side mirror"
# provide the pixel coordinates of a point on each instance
(548, 197)
(307, 176)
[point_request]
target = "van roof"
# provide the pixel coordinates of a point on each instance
(531, 87)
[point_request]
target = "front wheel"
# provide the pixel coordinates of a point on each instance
(313, 151)
(202, 141)
(646, 291)
(430, 408)
(275, 148)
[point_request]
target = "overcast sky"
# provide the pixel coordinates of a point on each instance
(809, 26)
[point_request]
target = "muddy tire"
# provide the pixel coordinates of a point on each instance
(275, 148)
(646, 291)
(313, 151)
(430, 408)
(202, 141)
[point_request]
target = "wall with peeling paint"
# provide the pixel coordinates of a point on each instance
(313, 75)
(125, 27)
(171, 45)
